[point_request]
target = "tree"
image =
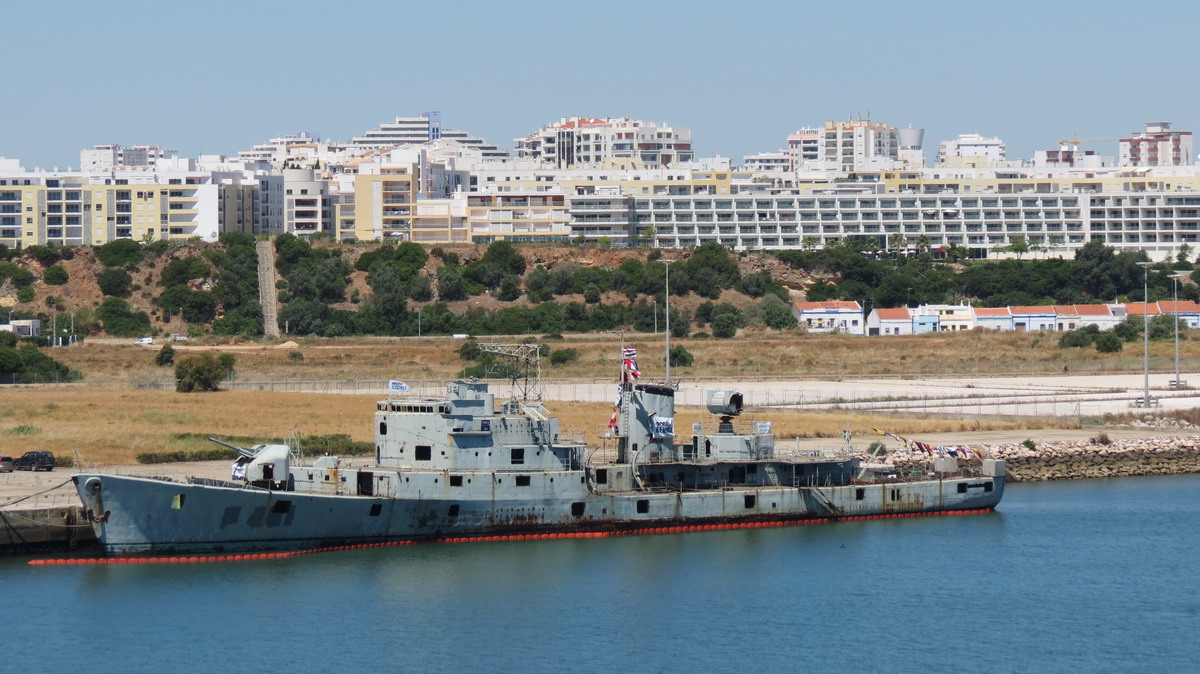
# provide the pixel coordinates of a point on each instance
(119, 253)
(591, 293)
(923, 243)
(1184, 256)
(179, 272)
(897, 240)
(198, 374)
(725, 326)
(115, 282)
(648, 235)
(120, 320)
(808, 243)
(680, 356)
(1017, 244)
(1109, 342)
(55, 276)
(510, 288)
(165, 356)
(450, 285)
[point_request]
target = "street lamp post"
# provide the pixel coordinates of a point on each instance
(654, 309)
(667, 310)
(1178, 383)
(1146, 334)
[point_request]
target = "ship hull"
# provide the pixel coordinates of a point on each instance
(149, 516)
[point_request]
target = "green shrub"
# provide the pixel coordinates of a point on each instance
(199, 373)
(165, 356)
(680, 356)
(115, 282)
(26, 294)
(725, 326)
(121, 320)
(1109, 342)
(228, 362)
(119, 253)
(563, 356)
(296, 355)
(55, 276)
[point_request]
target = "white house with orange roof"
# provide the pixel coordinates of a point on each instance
(1075, 316)
(993, 318)
(950, 317)
(1030, 318)
(1188, 311)
(896, 321)
(830, 316)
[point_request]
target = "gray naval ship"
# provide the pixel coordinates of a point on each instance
(462, 465)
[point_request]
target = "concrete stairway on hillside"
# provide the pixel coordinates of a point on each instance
(266, 289)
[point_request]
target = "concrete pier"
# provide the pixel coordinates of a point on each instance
(32, 530)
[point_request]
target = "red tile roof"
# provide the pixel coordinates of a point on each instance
(1092, 310)
(1032, 310)
(831, 304)
(992, 311)
(1141, 308)
(893, 314)
(1184, 307)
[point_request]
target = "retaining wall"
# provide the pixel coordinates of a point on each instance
(1081, 459)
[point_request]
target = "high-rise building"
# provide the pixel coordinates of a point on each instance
(422, 128)
(1158, 145)
(858, 145)
(586, 141)
(108, 157)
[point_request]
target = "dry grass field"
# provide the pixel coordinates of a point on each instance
(109, 420)
(113, 427)
(115, 363)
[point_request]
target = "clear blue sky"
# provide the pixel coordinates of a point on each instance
(218, 76)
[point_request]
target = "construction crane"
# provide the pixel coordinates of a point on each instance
(1077, 141)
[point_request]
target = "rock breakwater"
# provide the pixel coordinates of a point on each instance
(1167, 455)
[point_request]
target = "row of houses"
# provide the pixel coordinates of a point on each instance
(838, 316)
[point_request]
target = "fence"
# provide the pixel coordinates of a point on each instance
(961, 398)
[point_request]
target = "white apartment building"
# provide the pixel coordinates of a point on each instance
(109, 157)
(971, 149)
(768, 162)
(412, 129)
(308, 208)
(418, 129)
(804, 148)
(584, 141)
(1158, 145)
(858, 145)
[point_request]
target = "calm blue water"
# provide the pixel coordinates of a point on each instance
(1068, 576)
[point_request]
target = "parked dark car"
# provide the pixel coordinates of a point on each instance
(36, 460)
(6, 464)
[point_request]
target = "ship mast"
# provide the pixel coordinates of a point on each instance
(526, 374)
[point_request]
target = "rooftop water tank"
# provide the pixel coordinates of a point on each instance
(910, 137)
